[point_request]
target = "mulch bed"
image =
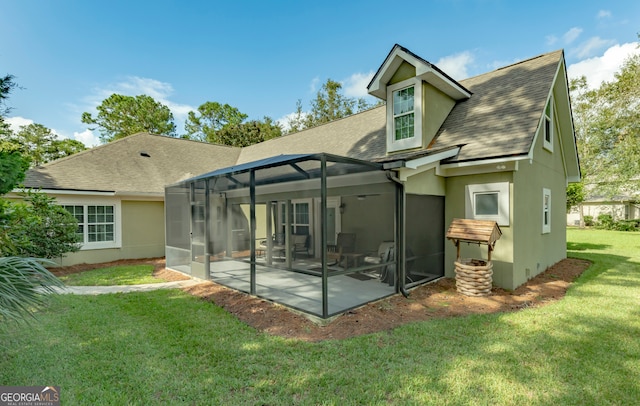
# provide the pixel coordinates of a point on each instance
(435, 300)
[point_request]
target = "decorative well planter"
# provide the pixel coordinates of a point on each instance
(474, 277)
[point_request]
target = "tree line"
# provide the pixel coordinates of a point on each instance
(607, 128)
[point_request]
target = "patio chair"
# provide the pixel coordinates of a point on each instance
(299, 242)
(385, 254)
(345, 244)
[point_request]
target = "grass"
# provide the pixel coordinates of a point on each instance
(165, 347)
(115, 275)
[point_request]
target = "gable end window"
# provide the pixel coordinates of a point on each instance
(488, 201)
(403, 113)
(547, 126)
(546, 211)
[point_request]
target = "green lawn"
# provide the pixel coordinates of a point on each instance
(165, 347)
(115, 275)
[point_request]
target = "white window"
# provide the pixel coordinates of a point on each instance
(546, 211)
(300, 223)
(404, 115)
(488, 201)
(547, 126)
(97, 225)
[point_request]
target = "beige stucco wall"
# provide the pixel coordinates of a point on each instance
(503, 255)
(142, 236)
(437, 107)
(425, 183)
(534, 251)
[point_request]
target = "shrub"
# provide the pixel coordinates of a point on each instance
(626, 225)
(36, 228)
(605, 221)
(588, 221)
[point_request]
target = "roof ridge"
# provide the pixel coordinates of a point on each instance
(514, 64)
(123, 139)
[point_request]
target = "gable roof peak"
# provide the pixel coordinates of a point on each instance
(425, 70)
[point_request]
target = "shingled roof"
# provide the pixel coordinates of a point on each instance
(499, 119)
(502, 116)
(138, 164)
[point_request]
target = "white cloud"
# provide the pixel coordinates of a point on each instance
(571, 35)
(87, 137)
(314, 85)
(456, 65)
(16, 122)
(602, 68)
(551, 39)
(591, 46)
(356, 84)
(284, 120)
(604, 14)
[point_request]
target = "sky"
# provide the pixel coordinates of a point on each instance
(263, 56)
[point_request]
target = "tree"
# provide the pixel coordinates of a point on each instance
(37, 227)
(245, 134)
(120, 116)
(40, 145)
(211, 117)
(7, 84)
(607, 123)
(23, 279)
(575, 195)
(328, 105)
(12, 166)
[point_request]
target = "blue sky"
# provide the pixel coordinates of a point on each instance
(262, 56)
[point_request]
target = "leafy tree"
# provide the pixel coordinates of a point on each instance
(41, 145)
(575, 195)
(245, 134)
(120, 116)
(7, 84)
(607, 122)
(12, 166)
(37, 227)
(210, 118)
(328, 105)
(22, 279)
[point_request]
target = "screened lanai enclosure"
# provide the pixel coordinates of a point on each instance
(316, 232)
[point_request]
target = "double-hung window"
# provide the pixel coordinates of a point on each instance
(96, 224)
(403, 113)
(301, 223)
(546, 211)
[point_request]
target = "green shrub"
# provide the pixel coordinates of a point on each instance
(605, 221)
(588, 221)
(626, 225)
(36, 228)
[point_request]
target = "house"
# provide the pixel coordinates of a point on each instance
(621, 207)
(116, 191)
(499, 146)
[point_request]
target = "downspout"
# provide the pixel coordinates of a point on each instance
(400, 203)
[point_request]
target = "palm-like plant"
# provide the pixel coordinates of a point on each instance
(23, 283)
